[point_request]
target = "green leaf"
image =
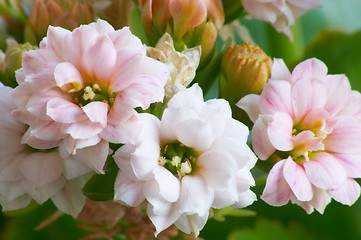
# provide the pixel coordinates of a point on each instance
(220, 214)
(267, 229)
(100, 187)
(340, 51)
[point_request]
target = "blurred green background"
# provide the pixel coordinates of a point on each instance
(331, 33)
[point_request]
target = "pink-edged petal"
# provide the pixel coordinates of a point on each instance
(56, 41)
(67, 77)
(196, 134)
(347, 193)
(123, 132)
(280, 131)
(353, 105)
(70, 199)
(217, 168)
(72, 145)
(277, 191)
(350, 162)
(345, 136)
(306, 95)
(297, 180)
(260, 141)
(324, 171)
(320, 200)
(250, 104)
(124, 39)
(93, 157)
(144, 91)
(42, 168)
(128, 191)
(96, 112)
(102, 27)
(280, 70)
(311, 68)
(169, 186)
(34, 60)
(83, 130)
(102, 53)
(64, 111)
(338, 93)
(276, 97)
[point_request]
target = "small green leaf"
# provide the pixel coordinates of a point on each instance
(220, 214)
(100, 187)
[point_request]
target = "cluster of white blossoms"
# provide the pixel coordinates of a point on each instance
(82, 90)
(194, 158)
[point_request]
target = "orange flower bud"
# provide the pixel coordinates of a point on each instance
(68, 14)
(245, 70)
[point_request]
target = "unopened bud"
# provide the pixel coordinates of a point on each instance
(13, 59)
(68, 14)
(245, 70)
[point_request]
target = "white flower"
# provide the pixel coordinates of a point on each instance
(193, 159)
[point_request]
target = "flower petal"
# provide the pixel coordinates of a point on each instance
(260, 141)
(347, 193)
(280, 131)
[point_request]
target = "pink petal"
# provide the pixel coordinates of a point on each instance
(102, 53)
(276, 97)
(311, 69)
(345, 137)
(124, 39)
(324, 171)
(350, 162)
(277, 191)
(122, 132)
(102, 27)
(320, 200)
(250, 104)
(64, 111)
(96, 112)
(42, 193)
(353, 105)
(347, 193)
(67, 77)
(56, 41)
(297, 180)
(260, 141)
(338, 92)
(306, 95)
(34, 60)
(280, 131)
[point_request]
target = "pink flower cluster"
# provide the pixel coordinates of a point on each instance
(309, 122)
(76, 93)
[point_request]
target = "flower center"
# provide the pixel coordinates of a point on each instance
(91, 93)
(178, 159)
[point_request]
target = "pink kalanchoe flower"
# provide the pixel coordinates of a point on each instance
(27, 173)
(309, 123)
(81, 87)
(281, 14)
(193, 159)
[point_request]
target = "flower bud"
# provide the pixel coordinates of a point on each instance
(13, 59)
(68, 14)
(245, 70)
(115, 12)
(189, 22)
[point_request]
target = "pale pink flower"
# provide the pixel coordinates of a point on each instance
(81, 87)
(27, 173)
(309, 123)
(193, 159)
(281, 14)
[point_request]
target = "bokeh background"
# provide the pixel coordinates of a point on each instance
(331, 33)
